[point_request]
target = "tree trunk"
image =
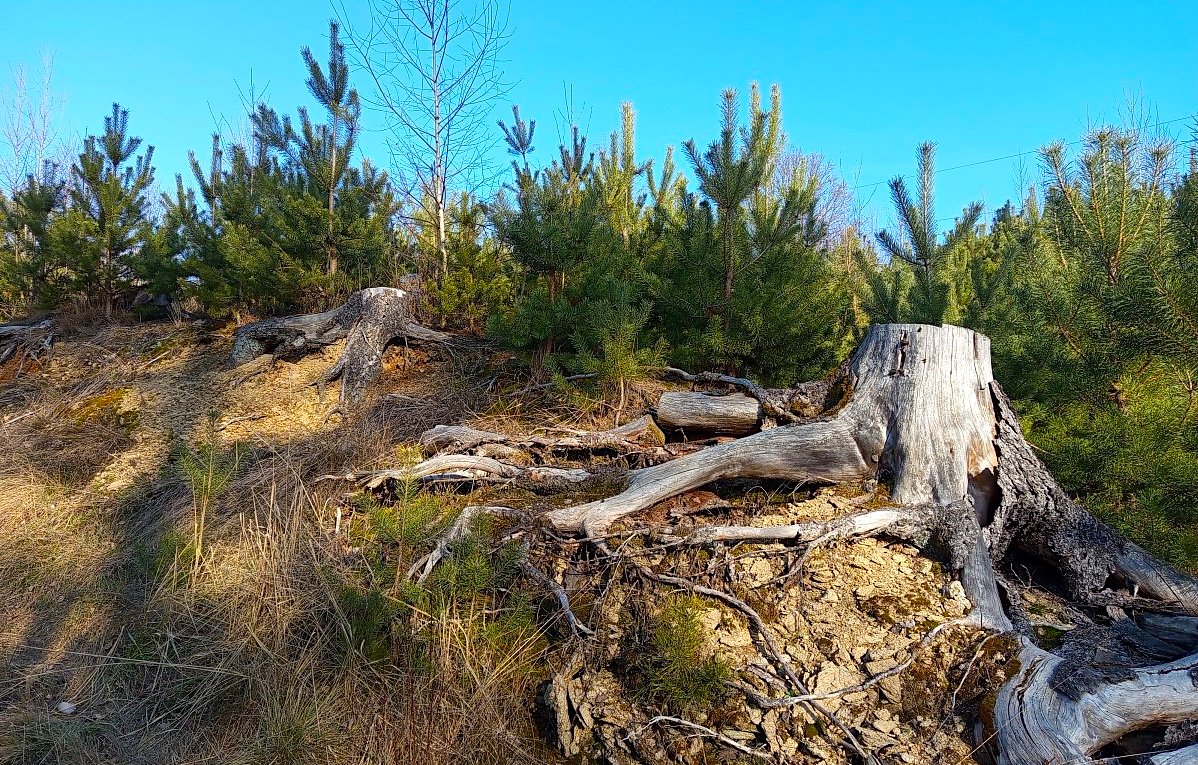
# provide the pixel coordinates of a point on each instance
(369, 321)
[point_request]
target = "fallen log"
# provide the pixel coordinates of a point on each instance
(369, 321)
(638, 434)
(697, 414)
(26, 342)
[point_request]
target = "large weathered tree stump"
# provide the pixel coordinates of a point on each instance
(919, 412)
(369, 321)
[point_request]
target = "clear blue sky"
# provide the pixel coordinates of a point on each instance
(862, 83)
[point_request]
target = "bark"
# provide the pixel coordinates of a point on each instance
(1035, 722)
(697, 414)
(369, 321)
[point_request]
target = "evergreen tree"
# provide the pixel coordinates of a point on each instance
(332, 91)
(110, 190)
(287, 223)
(742, 278)
(733, 170)
(33, 273)
(1097, 344)
(928, 297)
(480, 279)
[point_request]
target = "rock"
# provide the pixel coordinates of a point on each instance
(892, 689)
(875, 739)
(833, 677)
(759, 571)
(736, 638)
(881, 652)
(66, 707)
(957, 592)
(880, 665)
(885, 726)
(741, 735)
(769, 728)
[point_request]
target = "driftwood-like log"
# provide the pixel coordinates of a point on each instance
(925, 416)
(641, 433)
(473, 469)
(1035, 722)
(26, 342)
(700, 414)
(782, 405)
(369, 321)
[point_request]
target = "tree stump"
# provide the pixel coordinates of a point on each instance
(919, 412)
(369, 321)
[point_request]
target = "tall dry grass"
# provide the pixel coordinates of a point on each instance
(199, 617)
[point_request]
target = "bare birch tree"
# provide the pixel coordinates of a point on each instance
(435, 66)
(31, 111)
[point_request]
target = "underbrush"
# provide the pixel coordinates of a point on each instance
(244, 614)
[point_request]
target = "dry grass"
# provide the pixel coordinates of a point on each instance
(231, 641)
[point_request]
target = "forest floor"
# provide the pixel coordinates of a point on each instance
(179, 585)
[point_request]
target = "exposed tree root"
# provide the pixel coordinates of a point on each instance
(1038, 718)
(702, 730)
(369, 321)
(917, 410)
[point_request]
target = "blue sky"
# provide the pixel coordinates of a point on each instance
(862, 83)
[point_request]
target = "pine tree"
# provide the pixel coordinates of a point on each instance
(332, 91)
(319, 153)
(733, 170)
(110, 188)
(928, 298)
(32, 272)
(741, 278)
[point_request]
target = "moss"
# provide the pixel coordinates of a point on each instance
(997, 661)
(1049, 637)
(107, 409)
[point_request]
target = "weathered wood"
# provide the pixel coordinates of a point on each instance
(923, 415)
(369, 321)
(1184, 756)
(470, 468)
(1035, 723)
(699, 414)
(636, 435)
(26, 342)
(920, 411)
(862, 524)
(782, 405)
(824, 452)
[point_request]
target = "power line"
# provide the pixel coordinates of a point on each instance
(1009, 156)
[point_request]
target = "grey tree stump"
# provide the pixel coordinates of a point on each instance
(369, 321)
